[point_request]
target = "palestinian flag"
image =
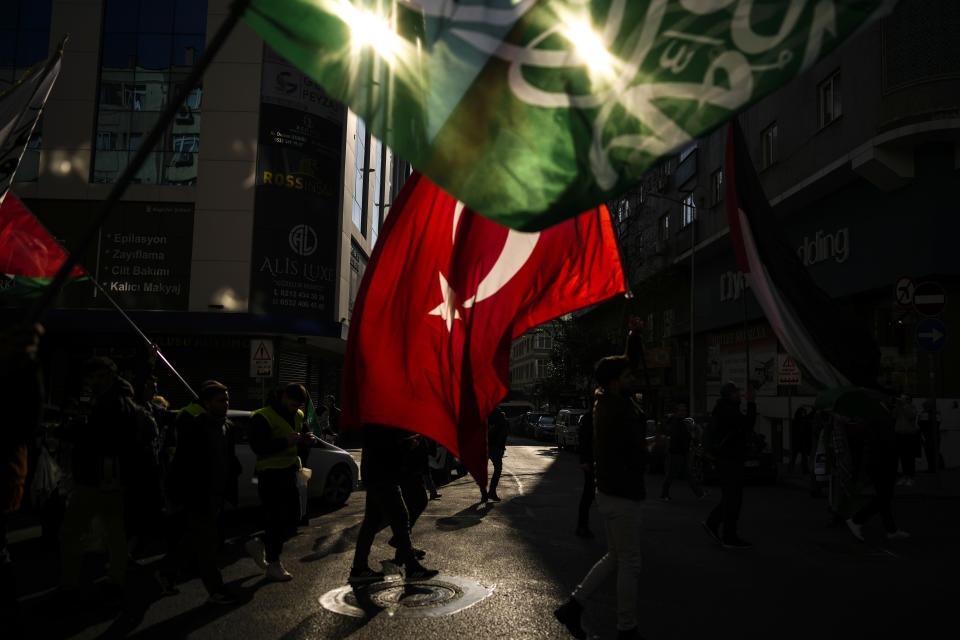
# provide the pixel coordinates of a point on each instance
(532, 111)
(29, 255)
(20, 108)
(812, 327)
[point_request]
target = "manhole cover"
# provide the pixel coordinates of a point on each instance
(441, 596)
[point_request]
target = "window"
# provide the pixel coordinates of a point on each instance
(543, 341)
(148, 50)
(716, 187)
(829, 99)
(359, 174)
(663, 227)
(688, 212)
(24, 41)
(541, 368)
(686, 152)
(378, 195)
(768, 146)
(358, 264)
(106, 141)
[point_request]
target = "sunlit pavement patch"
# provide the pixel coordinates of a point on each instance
(440, 596)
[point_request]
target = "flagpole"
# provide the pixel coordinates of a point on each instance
(746, 341)
(166, 117)
(149, 342)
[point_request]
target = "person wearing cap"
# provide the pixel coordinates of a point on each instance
(275, 433)
(731, 430)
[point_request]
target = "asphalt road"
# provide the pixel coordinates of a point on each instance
(803, 580)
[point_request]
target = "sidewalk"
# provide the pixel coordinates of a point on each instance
(925, 485)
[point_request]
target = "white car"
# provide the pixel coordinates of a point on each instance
(334, 473)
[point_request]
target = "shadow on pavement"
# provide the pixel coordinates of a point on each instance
(339, 542)
(469, 517)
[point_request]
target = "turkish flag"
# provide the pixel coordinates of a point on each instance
(444, 294)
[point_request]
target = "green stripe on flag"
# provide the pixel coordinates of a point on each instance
(531, 111)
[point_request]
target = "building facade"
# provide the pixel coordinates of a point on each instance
(244, 238)
(859, 157)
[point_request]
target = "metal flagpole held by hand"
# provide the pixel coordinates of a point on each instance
(145, 148)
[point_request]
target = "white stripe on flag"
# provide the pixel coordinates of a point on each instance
(783, 319)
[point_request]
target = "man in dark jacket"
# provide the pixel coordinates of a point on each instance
(731, 429)
(382, 472)
(497, 446)
(102, 465)
(619, 458)
(880, 464)
(206, 471)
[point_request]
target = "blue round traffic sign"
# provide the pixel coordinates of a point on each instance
(931, 334)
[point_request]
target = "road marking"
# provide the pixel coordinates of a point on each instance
(517, 480)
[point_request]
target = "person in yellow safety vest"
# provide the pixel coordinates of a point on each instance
(274, 436)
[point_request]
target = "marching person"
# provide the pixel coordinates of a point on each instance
(275, 433)
(203, 476)
(101, 447)
(497, 446)
(385, 450)
(619, 461)
(731, 429)
(680, 440)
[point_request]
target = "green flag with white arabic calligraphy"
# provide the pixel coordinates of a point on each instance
(531, 111)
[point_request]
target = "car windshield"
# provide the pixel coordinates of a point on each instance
(546, 420)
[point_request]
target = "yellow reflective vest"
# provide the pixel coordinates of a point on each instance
(194, 409)
(279, 429)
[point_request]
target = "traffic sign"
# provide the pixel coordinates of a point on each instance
(931, 334)
(929, 298)
(261, 358)
(788, 373)
(903, 290)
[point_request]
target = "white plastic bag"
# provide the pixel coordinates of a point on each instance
(46, 479)
(303, 482)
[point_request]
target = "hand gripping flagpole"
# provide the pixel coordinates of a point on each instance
(166, 117)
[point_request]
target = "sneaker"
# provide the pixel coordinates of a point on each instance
(855, 529)
(364, 575)
(899, 534)
(166, 585)
(583, 532)
(494, 497)
(736, 543)
(436, 496)
(276, 572)
(222, 597)
(713, 533)
(413, 570)
(254, 548)
(568, 614)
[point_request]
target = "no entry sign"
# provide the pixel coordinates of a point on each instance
(929, 298)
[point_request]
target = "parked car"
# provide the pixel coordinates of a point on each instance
(546, 428)
(528, 424)
(514, 410)
(334, 473)
(568, 427)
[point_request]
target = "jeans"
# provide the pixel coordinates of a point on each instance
(384, 499)
(280, 502)
(85, 504)
(623, 521)
(676, 465)
(497, 470)
(199, 538)
(727, 512)
(884, 480)
(586, 499)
